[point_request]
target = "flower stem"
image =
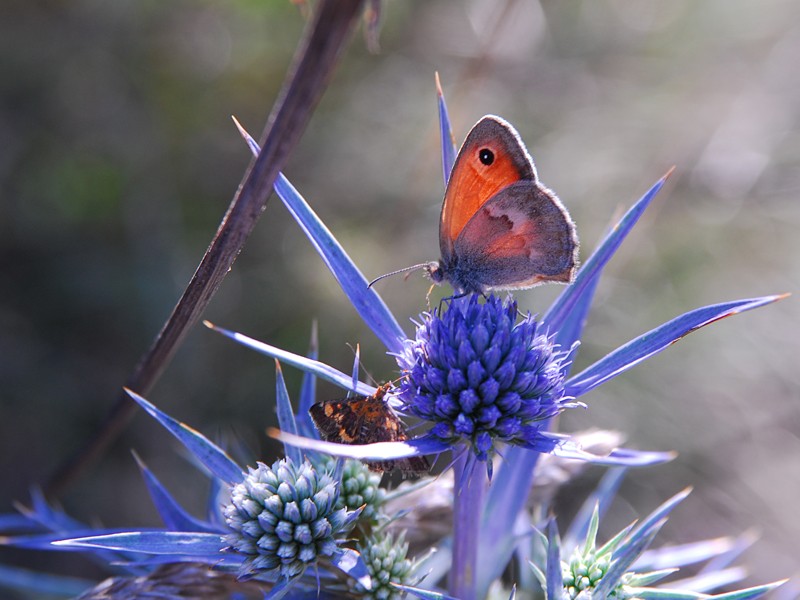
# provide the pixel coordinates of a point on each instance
(468, 497)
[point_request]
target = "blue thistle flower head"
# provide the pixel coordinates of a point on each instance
(388, 567)
(284, 517)
(360, 488)
(481, 377)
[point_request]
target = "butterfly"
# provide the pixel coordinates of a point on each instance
(500, 228)
(365, 420)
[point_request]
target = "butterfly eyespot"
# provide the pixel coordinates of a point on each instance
(486, 156)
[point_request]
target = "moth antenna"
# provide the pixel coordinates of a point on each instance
(404, 270)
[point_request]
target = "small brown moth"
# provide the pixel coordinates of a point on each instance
(365, 420)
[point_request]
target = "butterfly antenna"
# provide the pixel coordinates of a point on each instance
(405, 270)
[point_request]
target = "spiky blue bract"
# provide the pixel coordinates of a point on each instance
(173, 543)
(480, 377)
(286, 420)
(425, 594)
(750, 593)
(553, 574)
(48, 516)
(714, 580)
(12, 522)
(364, 299)
(209, 454)
(568, 312)
(350, 563)
(722, 550)
(611, 563)
(652, 342)
(308, 390)
(284, 518)
(596, 503)
(309, 365)
(171, 512)
(446, 134)
(371, 452)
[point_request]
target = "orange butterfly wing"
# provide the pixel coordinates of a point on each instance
(500, 228)
(472, 182)
(520, 237)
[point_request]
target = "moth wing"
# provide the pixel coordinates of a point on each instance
(472, 183)
(336, 421)
(393, 430)
(365, 421)
(521, 237)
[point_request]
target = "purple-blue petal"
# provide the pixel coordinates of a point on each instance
(445, 407)
(468, 400)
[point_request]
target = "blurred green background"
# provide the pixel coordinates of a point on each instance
(118, 157)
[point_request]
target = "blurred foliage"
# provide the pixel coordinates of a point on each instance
(118, 158)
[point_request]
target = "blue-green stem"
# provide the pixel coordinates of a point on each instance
(468, 496)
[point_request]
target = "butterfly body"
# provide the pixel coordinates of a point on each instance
(499, 227)
(365, 420)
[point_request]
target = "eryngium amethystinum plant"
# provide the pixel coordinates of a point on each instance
(484, 381)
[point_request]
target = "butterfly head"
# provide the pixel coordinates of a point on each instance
(435, 271)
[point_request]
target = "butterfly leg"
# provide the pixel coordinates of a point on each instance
(452, 298)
